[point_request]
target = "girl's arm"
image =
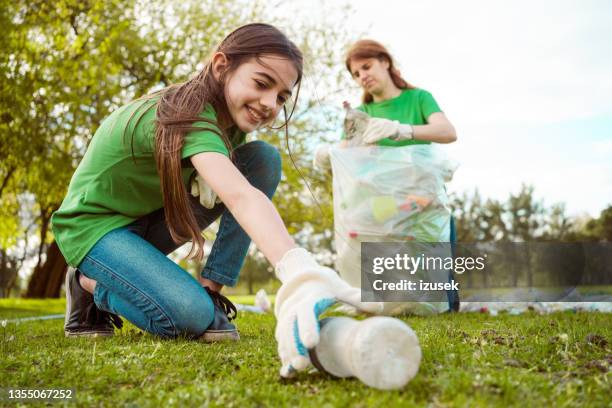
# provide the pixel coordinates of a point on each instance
(307, 288)
(250, 207)
(438, 129)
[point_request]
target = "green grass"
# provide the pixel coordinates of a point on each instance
(561, 359)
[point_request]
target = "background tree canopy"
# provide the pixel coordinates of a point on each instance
(67, 64)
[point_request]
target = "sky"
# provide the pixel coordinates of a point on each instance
(527, 85)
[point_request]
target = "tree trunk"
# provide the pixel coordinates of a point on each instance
(516, 271)
(8, 273)
(528, 264)
(47, 279)
(45, 218)
(250, 282)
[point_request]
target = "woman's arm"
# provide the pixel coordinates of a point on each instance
(438, 129)
(250, 207)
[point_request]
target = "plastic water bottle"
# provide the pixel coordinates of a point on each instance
(355, 124)
(382, 352)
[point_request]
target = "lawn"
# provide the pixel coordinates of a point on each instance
(469, 359)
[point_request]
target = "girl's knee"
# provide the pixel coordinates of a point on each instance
(267, 152)
(191, 316)
(267, 165)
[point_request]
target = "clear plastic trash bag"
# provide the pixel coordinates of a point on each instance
(388, 194)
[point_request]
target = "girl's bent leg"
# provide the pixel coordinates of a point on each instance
(453, 295)
(137, 281)
(260, 163)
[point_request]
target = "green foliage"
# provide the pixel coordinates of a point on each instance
(67, 64)
(469, 359)
(522, 218)
(256, 271)
(598, 229)
(304, 197)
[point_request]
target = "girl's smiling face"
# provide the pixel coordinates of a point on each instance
(257, 89)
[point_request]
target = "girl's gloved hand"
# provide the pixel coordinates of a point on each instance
(199, 188)
(379, 128)
(307, 290)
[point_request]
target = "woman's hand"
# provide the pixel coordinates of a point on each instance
(379, 128)
(438, 129)
(307, 290)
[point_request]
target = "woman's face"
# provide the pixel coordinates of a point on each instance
(257, 90)
(371, 74)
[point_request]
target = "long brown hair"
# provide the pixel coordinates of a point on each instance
(179, 107)
(372, 49)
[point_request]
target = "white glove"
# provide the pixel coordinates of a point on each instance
(208, 198)
(379, 128)
(321, 158)
(307, 290)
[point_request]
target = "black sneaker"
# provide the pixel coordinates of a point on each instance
(221, 329)
(83, 318)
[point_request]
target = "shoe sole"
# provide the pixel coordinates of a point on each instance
(216, 336)
(88, 334)
(68, 297)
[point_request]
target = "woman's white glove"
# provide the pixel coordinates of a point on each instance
(379, 128)
(307, 290)
(321, 158)
(208, 198)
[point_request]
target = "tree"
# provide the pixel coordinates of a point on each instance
(521, 218)
(599, 229)
(304, 197)
(68, 63)
(256, 270)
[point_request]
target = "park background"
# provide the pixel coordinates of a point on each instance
(526, 84)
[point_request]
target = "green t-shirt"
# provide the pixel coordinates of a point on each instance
(412, 106)
(117, 181)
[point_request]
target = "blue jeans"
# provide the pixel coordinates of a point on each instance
(136, 280)
(453, 295)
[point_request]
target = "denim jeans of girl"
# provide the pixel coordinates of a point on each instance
(136, 280)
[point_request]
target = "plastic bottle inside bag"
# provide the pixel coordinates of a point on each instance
(355, 124)
(382, 352)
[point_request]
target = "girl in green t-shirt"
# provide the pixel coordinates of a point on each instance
(128, 205)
